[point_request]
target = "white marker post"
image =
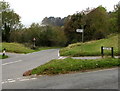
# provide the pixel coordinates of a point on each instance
(81, 31)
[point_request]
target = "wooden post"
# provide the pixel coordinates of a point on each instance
(112, 54)
(102, 51)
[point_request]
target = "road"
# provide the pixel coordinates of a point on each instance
(13, 68)
(105, 79)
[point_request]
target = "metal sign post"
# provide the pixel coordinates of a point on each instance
(81, 31)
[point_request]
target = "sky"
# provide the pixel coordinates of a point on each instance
(35, 10)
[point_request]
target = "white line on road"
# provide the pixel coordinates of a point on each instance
(17, 79)
(9, 79)
(12, 62)
(33, 78)
(12, 81)
(24, 79)
(62, 57)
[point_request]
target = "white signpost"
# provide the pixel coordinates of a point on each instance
(81, 31)
(107, 48)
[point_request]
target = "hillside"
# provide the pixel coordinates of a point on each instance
(91, 48)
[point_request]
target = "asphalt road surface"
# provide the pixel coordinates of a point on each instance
(13, 68)
(105, 79)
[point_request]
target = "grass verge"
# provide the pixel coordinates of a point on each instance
(3, 57)
(91, 48)
(67, 65)
(20, 48)
(16, 48)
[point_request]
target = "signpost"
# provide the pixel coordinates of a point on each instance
(34, 42)
(81, 31)
(107, 48)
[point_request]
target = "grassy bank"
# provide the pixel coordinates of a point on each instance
(91, 48)
(16, 48)
(3, 57)
(67, 65)
(20, 48)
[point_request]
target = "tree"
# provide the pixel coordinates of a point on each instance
(72, 23)
(10, 20)
(96, 24)
(118, 18)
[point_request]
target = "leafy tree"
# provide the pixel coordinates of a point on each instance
(118, 18)
(10, 20)
(96, 26)
(113, 22)
(45, 35)
(72, 23)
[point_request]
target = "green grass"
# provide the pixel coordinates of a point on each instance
(20, 48)
(67, 65)
(15, 47)
(3, 57)
(91, 48)
(45, 48)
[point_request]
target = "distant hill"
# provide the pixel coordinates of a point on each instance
(54, 21)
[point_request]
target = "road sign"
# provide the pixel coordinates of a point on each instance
(107, 48)
(34, 39)
(79, 30)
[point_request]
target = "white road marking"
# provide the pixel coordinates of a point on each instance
(61, 57)
(12, 81)
(17, 79)
(33, 78)
(24, 79)
(12, 62)
(3, 82)
(9, 79)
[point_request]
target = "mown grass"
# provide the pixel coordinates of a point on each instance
(91, 48)
(67, 65)
(3, 57)
(20, 48)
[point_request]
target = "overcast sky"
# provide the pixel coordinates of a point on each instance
(35, 10)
